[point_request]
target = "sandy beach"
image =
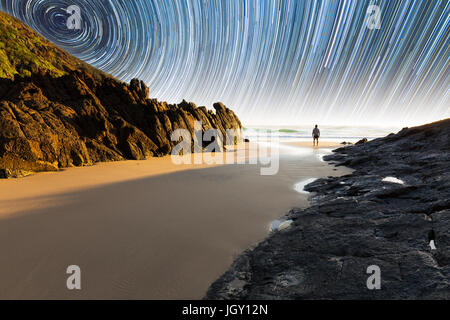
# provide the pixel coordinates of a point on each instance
(142, 229)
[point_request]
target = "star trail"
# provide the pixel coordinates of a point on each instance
(272, 61)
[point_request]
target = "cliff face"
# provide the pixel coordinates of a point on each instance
(48, 123)
(56, 111)
(358, 221)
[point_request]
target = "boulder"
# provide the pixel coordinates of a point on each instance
(362, 141)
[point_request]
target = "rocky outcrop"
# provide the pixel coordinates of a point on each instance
(383, 214)
(47, 123)
(57, 111)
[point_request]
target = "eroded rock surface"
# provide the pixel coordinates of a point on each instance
(57, 111)
(47, 123)
(357, 221)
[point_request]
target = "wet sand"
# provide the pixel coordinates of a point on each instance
(309, 144)
(141, 229)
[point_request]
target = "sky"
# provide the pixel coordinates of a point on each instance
(274, 62)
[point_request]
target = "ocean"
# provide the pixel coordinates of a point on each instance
(329, 133)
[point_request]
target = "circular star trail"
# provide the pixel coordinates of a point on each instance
(273, 61)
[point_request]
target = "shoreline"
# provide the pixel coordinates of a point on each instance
(166, 236)
(391, 212)
(103, 173)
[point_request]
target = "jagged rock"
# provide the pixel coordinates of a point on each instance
(66, 113)
(14, 173)
(357, 221)
(362, 141)
(47, 123)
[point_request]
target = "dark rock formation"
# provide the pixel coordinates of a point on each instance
(56, 111)
(48, 123)
(362, 141)
(357, 221)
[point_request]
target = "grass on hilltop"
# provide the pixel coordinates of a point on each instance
(24, 52)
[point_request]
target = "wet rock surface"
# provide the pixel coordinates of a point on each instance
(357, 221)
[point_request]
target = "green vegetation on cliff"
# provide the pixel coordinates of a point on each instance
(57, 111)
(24, 52)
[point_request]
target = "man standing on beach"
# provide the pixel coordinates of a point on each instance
(316, 135)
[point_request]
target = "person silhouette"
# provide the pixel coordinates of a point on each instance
(316, 135)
